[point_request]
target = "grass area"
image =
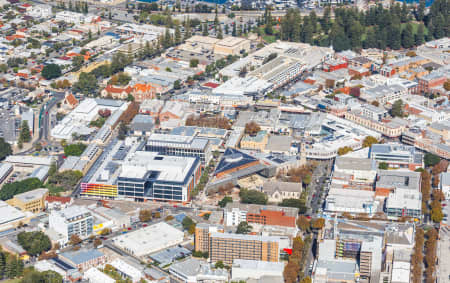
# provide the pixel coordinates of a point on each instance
(15, 280)
(415, 27)
(269, 38)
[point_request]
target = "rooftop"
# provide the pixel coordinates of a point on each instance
(82, 256)
(31, 195)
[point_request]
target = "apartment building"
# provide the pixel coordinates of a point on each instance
(176, 145)
(392, 128)
(33, 201)
(74, 220)
(202, 233)
(228, 247)
(403, 202)
(434, 79)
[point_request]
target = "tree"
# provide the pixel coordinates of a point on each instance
(430, 159)
(51, 71)
(303, 223)
(77, 62)
(243, 228)
(369, 141)
(318, 223)
(75, 149)
(219, 265)
(34, 242)
(220, 33)
(25, 135)
(252, 196)
(193, 63)
(5, 149)
(11, 189)
(252, 128)
(291, 202)
(187, 223)
(42, 277)
(87, 83)
(177, 35)
(205, 30)
(383, 166)
(344, 150)
(420, 35)
(408, 36)
(97, 242)
(226, 199)
(397, 108)
(75, 239)
(447, 85)
(145, 215)
(421, 10)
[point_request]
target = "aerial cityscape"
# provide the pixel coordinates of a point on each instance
(225, 141)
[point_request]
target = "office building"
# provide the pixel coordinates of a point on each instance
(33, 201)
(235, 213)
(175, 145)
(228, 247)
(74, 220)
(397, 155)
(149, 175)
(404, 203)
(389, 180)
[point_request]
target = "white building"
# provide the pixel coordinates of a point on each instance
(351, 201)
(445, 184)
(73, 18)
(40, 11)
(74, 220)
(126, 270)
(93, 275)
(404, 202)
(243, 269)
(150, 239)
(193, 270)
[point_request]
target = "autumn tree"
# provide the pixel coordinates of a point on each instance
(303, 223)
(318, 223)
(369, 140)
(145, 215)
(252, 128)
(75, 239)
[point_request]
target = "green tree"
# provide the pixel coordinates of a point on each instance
(51, 71)
(177, 84)
(25, 135)
(223, 202)
(421, 10)
(383, 166)
(193, 63)
(420, 35)
(77, 62)
(75, 149)
(431, 159)
(177, 35)
(34, 242)
(5, 149)
(252, 196)
(87, 83)
(12, 189)
(205, 30)
(397, 108)
(220, 33)
(67, 179)
(42, 277)
(243, 228)
(408, 36)
(291, 202)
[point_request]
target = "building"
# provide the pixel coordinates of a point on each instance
(432, 80)
(33, 201)
(384, 93)
(11, 217)
(94, 275)
(127, 271)
(397, 155)
(235, 213)
(73, 220)
(390, 128)
(353, 171)
(83, 259)
(232, 46)
(351, 201)
(202, 233)
(193, 270)
(176, 145)
(278, 191)
(150, 239)
(444, 184)
(58, 203)
(243, 269)
(389, 180)
(149, 175)
(404, 203)
(228, 247)
(256, 142)
(142, 125)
